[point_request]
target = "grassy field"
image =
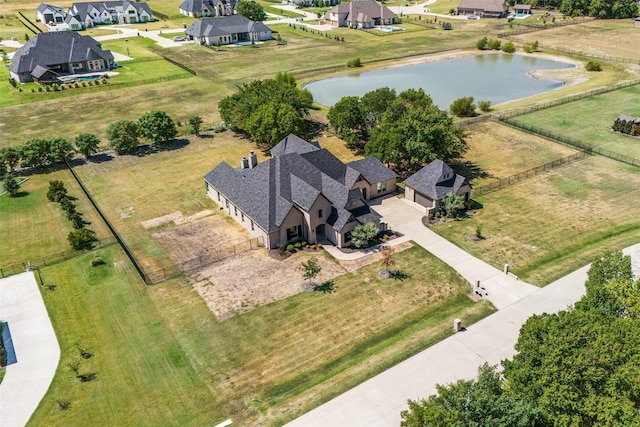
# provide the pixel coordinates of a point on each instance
(602, 110)
(497, 151)
(611, 37)
(162, 359)
(550, 225)
(33, 227)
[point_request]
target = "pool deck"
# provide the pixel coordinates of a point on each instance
(36, 348)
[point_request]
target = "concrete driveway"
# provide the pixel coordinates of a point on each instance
(36, 348)
(379, 401)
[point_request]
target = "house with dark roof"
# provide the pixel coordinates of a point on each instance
(227, 30)
(205, 8)
(53, 54)
(50, 15)
(429, 185)
(360, 14)
(483, 8)
(112, 12)
(302, 191)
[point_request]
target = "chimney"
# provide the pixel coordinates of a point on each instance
(244, 163)
(253, 160)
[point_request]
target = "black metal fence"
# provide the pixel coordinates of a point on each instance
(573, 143)
(540, 27)
(530, 173)
(560, 101)
(159, 275)
(46, 260)
(178, 64)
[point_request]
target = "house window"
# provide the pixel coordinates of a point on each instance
(235, 211)
(226, 203)
(252, 226)
(294, 232)
(319, 213)
(242, 217)
(219, 199)
(382, 186)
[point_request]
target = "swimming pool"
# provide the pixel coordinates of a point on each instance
(80, 78)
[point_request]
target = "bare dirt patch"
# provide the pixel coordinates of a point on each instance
(203, 238)
(245, 281)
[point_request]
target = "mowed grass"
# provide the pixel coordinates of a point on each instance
(497, 151)
(550, 225)
(610, 37)
(282, 359)
(144, 378)
(589, 120)
(32, 227)
(172, 181)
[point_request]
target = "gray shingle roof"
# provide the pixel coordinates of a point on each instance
(372, 170)
(364, 10)
(82, 8)
(192, 6)
(224, 25)
(428, 180)
(486, 5)
(44, 6)
(54, 48)
(297, 175)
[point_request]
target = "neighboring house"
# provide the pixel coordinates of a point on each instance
(227, 30)
(522, 9)
(484, 8)
(302, 191)
(360, 14)
(204, 8)
(53, 54)
(50, 15)
(429, 185)
(301, 3)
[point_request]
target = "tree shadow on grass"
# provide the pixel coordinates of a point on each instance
(175, 144)
(469, 169)
(325, 287)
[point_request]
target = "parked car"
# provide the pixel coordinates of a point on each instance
(178, 39)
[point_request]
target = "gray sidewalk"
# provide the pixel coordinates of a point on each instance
(37, 352)
(378, 401)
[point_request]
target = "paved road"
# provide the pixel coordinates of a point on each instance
(378, 401)
(36, 347)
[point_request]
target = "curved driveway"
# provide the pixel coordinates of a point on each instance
(37, 352)
(379, 401)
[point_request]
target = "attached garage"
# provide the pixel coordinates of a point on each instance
(432, 183)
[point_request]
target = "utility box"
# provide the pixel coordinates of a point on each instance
(506, 269)
(457, 325)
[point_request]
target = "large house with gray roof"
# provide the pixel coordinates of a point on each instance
(483, 8)
(227, 30)
(429, 185)
(49, 55)
(206, 8)
(360, 14)
(301, 192)
(88, 14)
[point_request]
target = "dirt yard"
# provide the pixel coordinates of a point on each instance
(250, 279)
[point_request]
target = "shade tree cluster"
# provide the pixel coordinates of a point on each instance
(267, 110)
(627, 125)
(405, 131)
(155, 127)
(81, 238)
(578, 367)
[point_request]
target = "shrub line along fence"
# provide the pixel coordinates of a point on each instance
(530, 173)
(107, 223)
(159, 275)
(46, 260)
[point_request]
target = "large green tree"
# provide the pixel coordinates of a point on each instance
(86, 144)
(157, 126)
(34, 153)
(59, 150)
(251, 10)
(10, 157)
(414, 131)
(618, 9)
(123, 136)
(273, 121)
(242, 110)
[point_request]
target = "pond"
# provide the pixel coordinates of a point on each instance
(494, 77)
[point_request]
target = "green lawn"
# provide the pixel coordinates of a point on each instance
(32, 227)
(548, 226)
(161, 358)
(602, 110)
